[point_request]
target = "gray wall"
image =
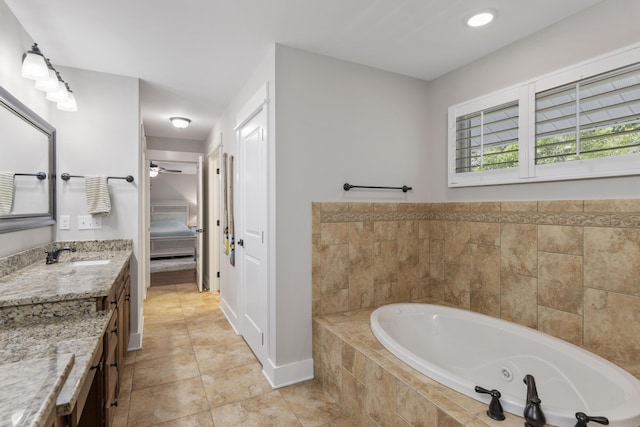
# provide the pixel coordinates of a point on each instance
(607, 26)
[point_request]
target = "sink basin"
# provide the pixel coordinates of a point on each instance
(89, 262)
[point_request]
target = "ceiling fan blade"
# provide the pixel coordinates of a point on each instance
(170, 170)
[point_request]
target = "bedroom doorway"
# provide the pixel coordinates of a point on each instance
(174, 221)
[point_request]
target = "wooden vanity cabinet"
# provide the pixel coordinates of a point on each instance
(99, 394)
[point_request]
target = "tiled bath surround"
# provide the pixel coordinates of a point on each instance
(567, 268)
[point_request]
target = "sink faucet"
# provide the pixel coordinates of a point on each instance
(533, 415)
(52, 257)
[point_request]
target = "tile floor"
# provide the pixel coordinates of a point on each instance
(193, 370)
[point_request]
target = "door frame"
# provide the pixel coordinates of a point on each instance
(213, 223)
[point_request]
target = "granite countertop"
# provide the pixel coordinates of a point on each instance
(29, 388)
(40, 283)
(35, 341)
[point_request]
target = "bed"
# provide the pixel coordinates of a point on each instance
(169, 234)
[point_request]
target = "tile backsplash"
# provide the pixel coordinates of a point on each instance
(569, 268)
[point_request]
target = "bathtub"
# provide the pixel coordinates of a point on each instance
(461, 349)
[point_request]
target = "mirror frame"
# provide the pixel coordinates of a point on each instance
(28, 221)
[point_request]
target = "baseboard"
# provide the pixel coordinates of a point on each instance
(135, 339)
(230, 315)
(291, 373)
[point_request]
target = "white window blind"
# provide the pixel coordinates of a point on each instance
(487, 139)
(588, 119)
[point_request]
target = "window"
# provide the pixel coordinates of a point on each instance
(561, 126)
(488, 139)
(592, 118)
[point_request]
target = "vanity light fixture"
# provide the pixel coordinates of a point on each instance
(59, 94)
(34, 66)
(68, 104)
(481, 18)
(51, 82)
(180, 122)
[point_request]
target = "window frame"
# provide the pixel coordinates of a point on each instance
(525, 94)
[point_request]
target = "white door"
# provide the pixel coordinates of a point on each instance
(200, 230)
(251, 241)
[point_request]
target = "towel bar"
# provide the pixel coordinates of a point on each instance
(65, 176)
(404, 188)
(39, 175)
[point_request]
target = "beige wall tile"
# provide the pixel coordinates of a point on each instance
(334, 269)
(423, 258)
(382, 293)
(560, 324)
(334, 233)
(380, 395)
(561, 239)
(611, 259)
(415, 409)
(485, 303)
(613, 205)
(612, 323)
(519, 300)
(361, 240)
(456, 285)
(385, 265)
(424, 229)
(484, 233)
(361, 292)
(436, 281)
(408, 250)
(436, 251)
(334, 301)
(353, 398)
(485, 268)
(528, 206)
(316, 216)
(560, 282)
(561, 206)
(456, 239)
(519, 249)
(484, 206)
(360, 207)
(385, 207)
(437, 230)
(385, 230)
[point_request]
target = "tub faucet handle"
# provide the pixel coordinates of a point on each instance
(583, 419)
(495, 408)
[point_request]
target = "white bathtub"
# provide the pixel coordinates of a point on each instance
(461, 349)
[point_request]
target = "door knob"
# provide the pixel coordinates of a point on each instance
(241, 243)
(199, 230)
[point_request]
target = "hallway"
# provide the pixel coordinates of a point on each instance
(194, 370)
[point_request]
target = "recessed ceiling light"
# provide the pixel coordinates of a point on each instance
(481, 18)
(180, 122)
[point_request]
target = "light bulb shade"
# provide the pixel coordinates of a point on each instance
(180, 122)
(48, 84)
(153, 173)
(34, 66)
(68, 104)
(60, 94)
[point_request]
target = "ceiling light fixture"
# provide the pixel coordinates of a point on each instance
(153, 170)
(34, 66)
(68, 104)
(481, 18)
(180, 122)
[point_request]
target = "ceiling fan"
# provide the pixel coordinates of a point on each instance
(154, 169)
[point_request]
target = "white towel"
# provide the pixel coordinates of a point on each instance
(97, 192)
(7, 189)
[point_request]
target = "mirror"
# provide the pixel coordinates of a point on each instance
(27, 144)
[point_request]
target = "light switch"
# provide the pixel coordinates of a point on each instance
(64, 223)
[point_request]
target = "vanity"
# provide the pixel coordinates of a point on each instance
(64, 331)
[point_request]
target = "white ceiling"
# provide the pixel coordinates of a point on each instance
(192, 56)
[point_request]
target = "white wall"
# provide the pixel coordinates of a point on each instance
(102, 138)
(14, 42)
(170, 144)
(607, 26)
(336, 122)
(176, 186)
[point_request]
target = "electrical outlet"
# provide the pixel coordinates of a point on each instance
(97, 222)
(65, 222)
